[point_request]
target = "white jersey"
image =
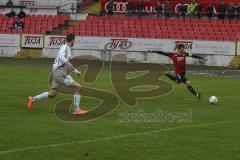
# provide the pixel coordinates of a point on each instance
(63, 57)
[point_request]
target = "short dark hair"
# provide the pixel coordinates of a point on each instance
(181, 46)
(70, 37)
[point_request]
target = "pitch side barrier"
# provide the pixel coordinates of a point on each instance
(119, 44)
(137, 49)
(219, 53)
(142, 45)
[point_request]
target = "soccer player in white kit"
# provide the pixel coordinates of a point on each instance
(60, 69)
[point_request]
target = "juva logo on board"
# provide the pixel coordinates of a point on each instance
(32, 40)
(188, 44)
(57, 41)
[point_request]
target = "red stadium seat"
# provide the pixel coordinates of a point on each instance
(33, 24)
(130, 27)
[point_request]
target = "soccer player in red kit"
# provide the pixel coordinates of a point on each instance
(179, 62)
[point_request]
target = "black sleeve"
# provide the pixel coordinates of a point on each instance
(195, 56)
(162, 53)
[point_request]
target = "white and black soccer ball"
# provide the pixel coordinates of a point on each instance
(213, 100)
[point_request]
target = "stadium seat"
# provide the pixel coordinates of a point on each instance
(132, 27)
(34, 24)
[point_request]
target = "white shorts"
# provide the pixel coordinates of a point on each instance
(62, 79)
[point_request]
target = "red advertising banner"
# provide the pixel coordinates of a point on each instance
(120, 6)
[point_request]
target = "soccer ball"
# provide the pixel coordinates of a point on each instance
(213, 99)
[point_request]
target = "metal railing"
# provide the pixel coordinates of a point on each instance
(67, 8)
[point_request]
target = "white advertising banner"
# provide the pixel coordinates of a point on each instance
(238, 48)
(138, 44)
(9, 40)
(54, 41)
(32, 41)
(166, 45)
(28, 3)
(212, 47)
(128, 44)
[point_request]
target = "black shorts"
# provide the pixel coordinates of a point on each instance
(181, 78)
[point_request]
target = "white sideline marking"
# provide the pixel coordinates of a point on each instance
(114, 137)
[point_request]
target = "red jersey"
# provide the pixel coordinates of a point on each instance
(179, 62)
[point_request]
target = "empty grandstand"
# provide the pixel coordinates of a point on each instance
(33, 24)
(91, 19)
(122, 26)
(156, 28)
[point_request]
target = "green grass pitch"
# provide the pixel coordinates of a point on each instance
(212, 134)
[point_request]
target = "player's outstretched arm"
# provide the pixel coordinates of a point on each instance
(161, 52)
(196, 56)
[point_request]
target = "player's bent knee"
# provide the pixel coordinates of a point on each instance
(52, 93)
(77, 89)
(188, 83)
